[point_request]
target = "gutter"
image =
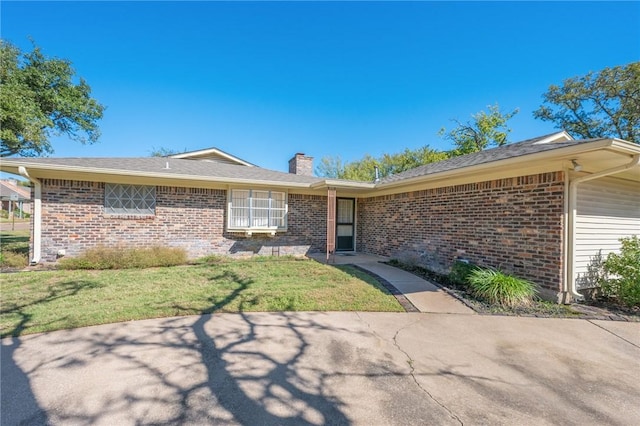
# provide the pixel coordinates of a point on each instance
(152, 175)
(570, 282)
(37, 215)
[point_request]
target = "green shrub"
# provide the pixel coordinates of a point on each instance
(460, 272)
(498, 288)
(126, 258)
(623, 273)
(212, 259)
(9, 259)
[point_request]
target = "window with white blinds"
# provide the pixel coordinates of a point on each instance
(257, 209)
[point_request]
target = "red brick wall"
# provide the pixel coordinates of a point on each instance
(514, 224)
(73, 220)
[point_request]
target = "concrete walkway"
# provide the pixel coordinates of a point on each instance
(425, 296)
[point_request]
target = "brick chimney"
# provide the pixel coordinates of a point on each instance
(300, 164)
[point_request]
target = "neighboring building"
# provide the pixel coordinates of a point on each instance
(539, 208)
(14, 198)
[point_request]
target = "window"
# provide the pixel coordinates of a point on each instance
(257, 209)
(129, 199)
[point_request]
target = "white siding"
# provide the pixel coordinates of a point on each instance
(607, 209)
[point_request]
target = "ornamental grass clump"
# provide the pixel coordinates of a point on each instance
(498, 288)
(126, 258)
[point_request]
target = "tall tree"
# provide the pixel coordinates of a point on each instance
(599, 104)
(39, 99)
(486, 129)
(409, 159)
(330, 167)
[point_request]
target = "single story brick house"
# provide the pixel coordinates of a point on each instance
(540, 208)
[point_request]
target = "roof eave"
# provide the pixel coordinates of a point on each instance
(142, 174)
(617, 145)
(336, 183)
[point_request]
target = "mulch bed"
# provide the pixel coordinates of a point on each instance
(598, 310)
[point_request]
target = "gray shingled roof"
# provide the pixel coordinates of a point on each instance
(178, 167)
(516, 149)
(222, 171)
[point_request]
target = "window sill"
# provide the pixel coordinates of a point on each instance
(250, 231)
(124, 216)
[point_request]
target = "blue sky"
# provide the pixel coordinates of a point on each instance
(266, 80)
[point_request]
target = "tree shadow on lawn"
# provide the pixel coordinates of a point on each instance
(381, 284)
(255, 369)
(224, 395)
(280, 380)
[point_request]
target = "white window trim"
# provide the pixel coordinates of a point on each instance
(250, 230)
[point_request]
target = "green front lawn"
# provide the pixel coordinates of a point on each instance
(34, 302)
(14, 249)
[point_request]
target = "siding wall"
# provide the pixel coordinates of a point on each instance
(73, 220)
(607, 209)
(515, 224)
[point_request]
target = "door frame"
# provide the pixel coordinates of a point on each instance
(352, 223)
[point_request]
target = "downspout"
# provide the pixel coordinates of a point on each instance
(37, 215)
(573, 187)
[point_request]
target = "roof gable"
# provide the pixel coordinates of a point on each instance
(8, 190)
(562, 136)
(212, 154)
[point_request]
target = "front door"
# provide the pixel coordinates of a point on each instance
(345, 229)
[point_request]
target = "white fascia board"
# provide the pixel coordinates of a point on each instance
(515, 161)
(625, 146)
(98, 171)
(556, 137)
(345, 184)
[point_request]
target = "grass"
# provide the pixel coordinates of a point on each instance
(14, 249)
(52, 300)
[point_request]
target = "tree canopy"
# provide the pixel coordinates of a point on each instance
(485, 130)
(599, 104)
(387, 164)
(164, 151)
(39, 99)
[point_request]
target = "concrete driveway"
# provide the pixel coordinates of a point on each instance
(327, 368)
